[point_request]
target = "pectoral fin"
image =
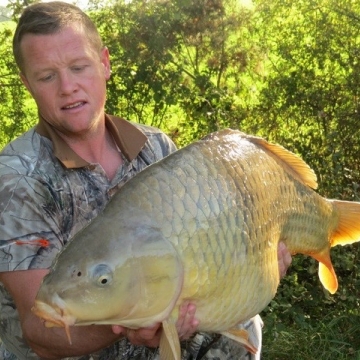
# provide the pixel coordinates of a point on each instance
(242, 337)
(169, 342)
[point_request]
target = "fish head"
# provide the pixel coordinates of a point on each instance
(134, 285)
(73, 293)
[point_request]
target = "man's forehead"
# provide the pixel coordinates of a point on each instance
(66, 40)
(49, 51)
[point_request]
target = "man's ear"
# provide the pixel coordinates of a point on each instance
(25, 82)
(105, 59)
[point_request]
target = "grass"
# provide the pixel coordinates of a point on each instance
(332, 339)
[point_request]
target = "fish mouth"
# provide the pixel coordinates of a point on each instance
(54, 316)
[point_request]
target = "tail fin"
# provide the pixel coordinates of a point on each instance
(346, 232)
(348, 229)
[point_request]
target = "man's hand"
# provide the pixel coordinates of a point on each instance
(284, 259)
(186, 326)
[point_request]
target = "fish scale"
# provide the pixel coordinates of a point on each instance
(203, 225)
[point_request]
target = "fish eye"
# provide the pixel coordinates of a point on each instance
(102, 274)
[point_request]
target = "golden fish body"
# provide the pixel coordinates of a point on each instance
(202, 225)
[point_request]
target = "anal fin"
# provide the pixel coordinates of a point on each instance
(326, 271)
(242, 337)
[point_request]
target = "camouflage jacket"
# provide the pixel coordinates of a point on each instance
(48, 192)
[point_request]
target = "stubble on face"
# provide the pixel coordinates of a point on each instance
(67, 79)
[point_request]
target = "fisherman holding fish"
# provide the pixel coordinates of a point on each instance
(58, 176)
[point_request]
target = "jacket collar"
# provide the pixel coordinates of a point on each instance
(128, 138)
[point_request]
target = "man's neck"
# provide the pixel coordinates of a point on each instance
(98, 148)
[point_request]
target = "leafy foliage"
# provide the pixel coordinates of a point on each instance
(15, 113)
(178, 64)
(310, 101)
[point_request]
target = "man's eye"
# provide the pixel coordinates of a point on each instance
(79, 68)
(47, 78)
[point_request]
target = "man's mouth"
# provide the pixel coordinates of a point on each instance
(74, 105)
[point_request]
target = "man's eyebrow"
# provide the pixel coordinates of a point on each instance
(47, 69)
(42, 71)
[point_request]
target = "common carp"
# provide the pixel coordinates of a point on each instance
(202, 224)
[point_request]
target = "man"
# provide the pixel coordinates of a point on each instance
(59, 175)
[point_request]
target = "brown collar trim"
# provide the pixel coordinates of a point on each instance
(128, 138)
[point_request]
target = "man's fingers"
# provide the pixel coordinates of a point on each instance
(149, 336)
(284, 259)
(187, 323)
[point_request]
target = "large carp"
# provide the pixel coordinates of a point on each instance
(203, 224)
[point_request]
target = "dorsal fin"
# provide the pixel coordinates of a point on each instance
(291, 162)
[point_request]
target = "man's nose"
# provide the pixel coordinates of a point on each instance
(67, 83)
